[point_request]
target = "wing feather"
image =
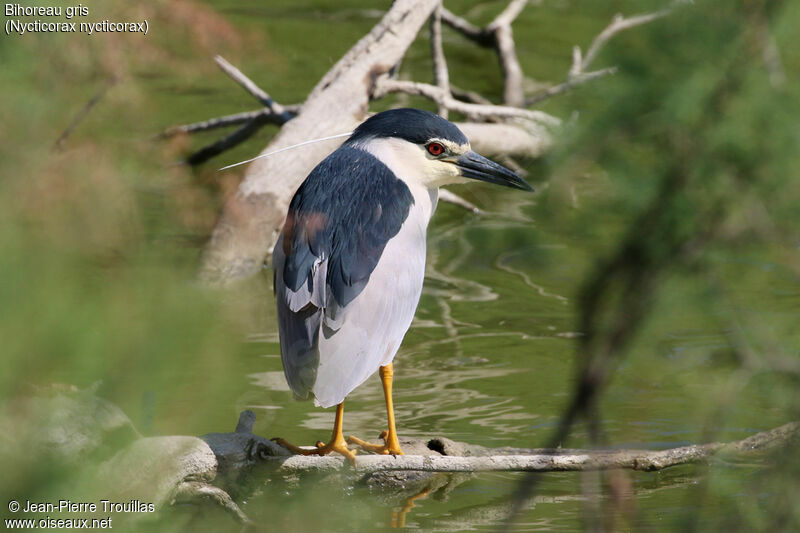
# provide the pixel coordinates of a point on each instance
(338, 225)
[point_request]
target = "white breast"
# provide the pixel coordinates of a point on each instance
(374, 323)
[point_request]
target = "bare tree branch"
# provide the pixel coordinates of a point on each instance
(571, 83)
(466, 28)
(249, 224)
(499, 35)
(578, 74)
(247, 230)
(469, 96)
(503, 139)
(249, 129)
(508, 15)
(475, 111)
(252, 121)
(618, 24)
(513, 94)
(230, 120)
(440, 75)
(452, 198)
(550, 459)
(251, 87)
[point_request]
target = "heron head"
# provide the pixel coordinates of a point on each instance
(428, 148)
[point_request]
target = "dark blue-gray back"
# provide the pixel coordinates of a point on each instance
(338, 224)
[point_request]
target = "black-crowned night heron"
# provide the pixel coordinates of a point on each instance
(350, 261)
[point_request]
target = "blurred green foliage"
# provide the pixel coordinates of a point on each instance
(99, 238)
(698, 139)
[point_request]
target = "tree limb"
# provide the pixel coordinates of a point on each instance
(578, 74)
(243, 133)
(569, 84)
(618, 24)
(230, 120)
(499, 35)
(465, 28)
(504, 139)
(452, 198)
(550, 460)
(440, 75)
(513, 94)
(249, 86)
(385, 85)
(469, 96)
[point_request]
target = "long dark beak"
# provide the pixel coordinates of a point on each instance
(475, 166)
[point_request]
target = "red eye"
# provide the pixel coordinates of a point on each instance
(435, 149)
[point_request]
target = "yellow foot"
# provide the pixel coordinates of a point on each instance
(390, 446)
(338, 446)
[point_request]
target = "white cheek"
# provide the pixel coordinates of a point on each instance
(442, 173)
(411, 164)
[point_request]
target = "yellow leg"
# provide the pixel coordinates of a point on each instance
(337, 443)
(391, 445)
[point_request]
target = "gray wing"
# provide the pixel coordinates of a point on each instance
(298, 323)
(339, 223)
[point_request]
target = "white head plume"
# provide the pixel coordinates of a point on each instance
(288, 148)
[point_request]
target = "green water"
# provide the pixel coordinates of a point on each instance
(103, 243)
(489, 361)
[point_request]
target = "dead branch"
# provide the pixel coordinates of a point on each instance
(552, 460)
(479, 112)
(230, 120)
(440, 75)
(469, 96)
(503, 139)
(252, 121)
(251, 87)
(498, 35)
(504, 38)
(618, 24)
(450, 197)
(571, 83)
(466, 28)
(579, 70)
(236, 138)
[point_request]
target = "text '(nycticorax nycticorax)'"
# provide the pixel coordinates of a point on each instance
(350, 261)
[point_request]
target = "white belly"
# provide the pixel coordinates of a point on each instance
(374, 323)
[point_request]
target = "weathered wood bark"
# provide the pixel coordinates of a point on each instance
(550, 460)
